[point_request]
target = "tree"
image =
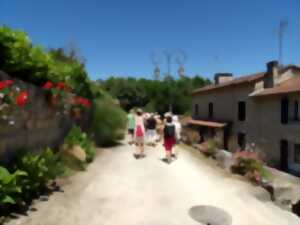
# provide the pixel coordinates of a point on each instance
(154, 95)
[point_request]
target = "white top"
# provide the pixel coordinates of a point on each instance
(177, 127)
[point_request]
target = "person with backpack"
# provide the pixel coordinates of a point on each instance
(169, 138)
(139, 134)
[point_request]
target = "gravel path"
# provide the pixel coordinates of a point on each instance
(116, 189)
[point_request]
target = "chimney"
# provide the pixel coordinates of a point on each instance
(223, 77)
(272, 75)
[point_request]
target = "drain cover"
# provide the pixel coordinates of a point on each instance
(210, 215)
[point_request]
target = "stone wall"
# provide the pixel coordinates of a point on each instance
(34, 126)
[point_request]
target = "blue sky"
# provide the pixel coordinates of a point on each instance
(117, 37)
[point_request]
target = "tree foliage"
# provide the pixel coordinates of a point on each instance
(154, 95)
(20, 58)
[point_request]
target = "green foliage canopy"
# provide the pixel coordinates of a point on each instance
(20, 58)
(154, 95)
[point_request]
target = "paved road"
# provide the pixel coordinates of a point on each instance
(119, 190)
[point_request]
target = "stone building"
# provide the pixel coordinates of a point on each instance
(261, 108)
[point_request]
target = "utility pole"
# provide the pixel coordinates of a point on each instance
(282, 28)
(168, 55)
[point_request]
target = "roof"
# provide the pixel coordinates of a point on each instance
(241, 80)
(204, 123)
(289, 86)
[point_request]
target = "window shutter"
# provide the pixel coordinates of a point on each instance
(284, 110)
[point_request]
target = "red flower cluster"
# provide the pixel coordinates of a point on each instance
(5, 83)
(60, 85)
(22, 98)
(82, 102)
(48, 85)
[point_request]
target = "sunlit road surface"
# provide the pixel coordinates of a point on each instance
(117, 189)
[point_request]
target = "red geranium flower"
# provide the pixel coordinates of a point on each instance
(48, 85)
(2, 85)
(83, 102)
(22, 98)
(8, 82)
(61, 85)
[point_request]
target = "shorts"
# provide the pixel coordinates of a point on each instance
(168, 143)
(130, 131)
(139, 140)
(151, 135)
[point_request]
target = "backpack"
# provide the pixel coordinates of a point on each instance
(139, 131)
(169, 131)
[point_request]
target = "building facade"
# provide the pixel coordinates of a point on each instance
(262, 108)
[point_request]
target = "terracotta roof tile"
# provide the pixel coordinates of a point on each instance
(241, 80)
(289, 86)
(236, 81)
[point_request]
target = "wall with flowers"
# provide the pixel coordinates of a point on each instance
(34, 117)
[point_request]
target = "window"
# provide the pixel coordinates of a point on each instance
(284, 155)
(212, 132)
(210, 110)
(296, 111)
(242, 111)
(297, 153)
(196, 110)
(241, 140)
(284, 110)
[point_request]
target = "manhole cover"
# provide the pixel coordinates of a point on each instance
(210, 215)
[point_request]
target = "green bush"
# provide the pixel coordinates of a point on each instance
(108, 121)
(250, 164)
(9, 187)
(210, 148)
(77, 137)
(154, 95)
(21, 59)
(41, 168)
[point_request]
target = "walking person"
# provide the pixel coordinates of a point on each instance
(159, 128)
(139, 134)
(151, 130)
(131, 125)
(177, 128)
(177, 134)
(169, 139)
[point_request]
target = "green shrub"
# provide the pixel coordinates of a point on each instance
(9, 187)
(77, 137)
(41, 168)
(250, 164)
(53, 163)
(108, 121)
(210, 148)
(190, 136)
(21, 59)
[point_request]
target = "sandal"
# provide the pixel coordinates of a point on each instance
(136, 156)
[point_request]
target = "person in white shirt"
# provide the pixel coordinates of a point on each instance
(177, 134)
(177, 128)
